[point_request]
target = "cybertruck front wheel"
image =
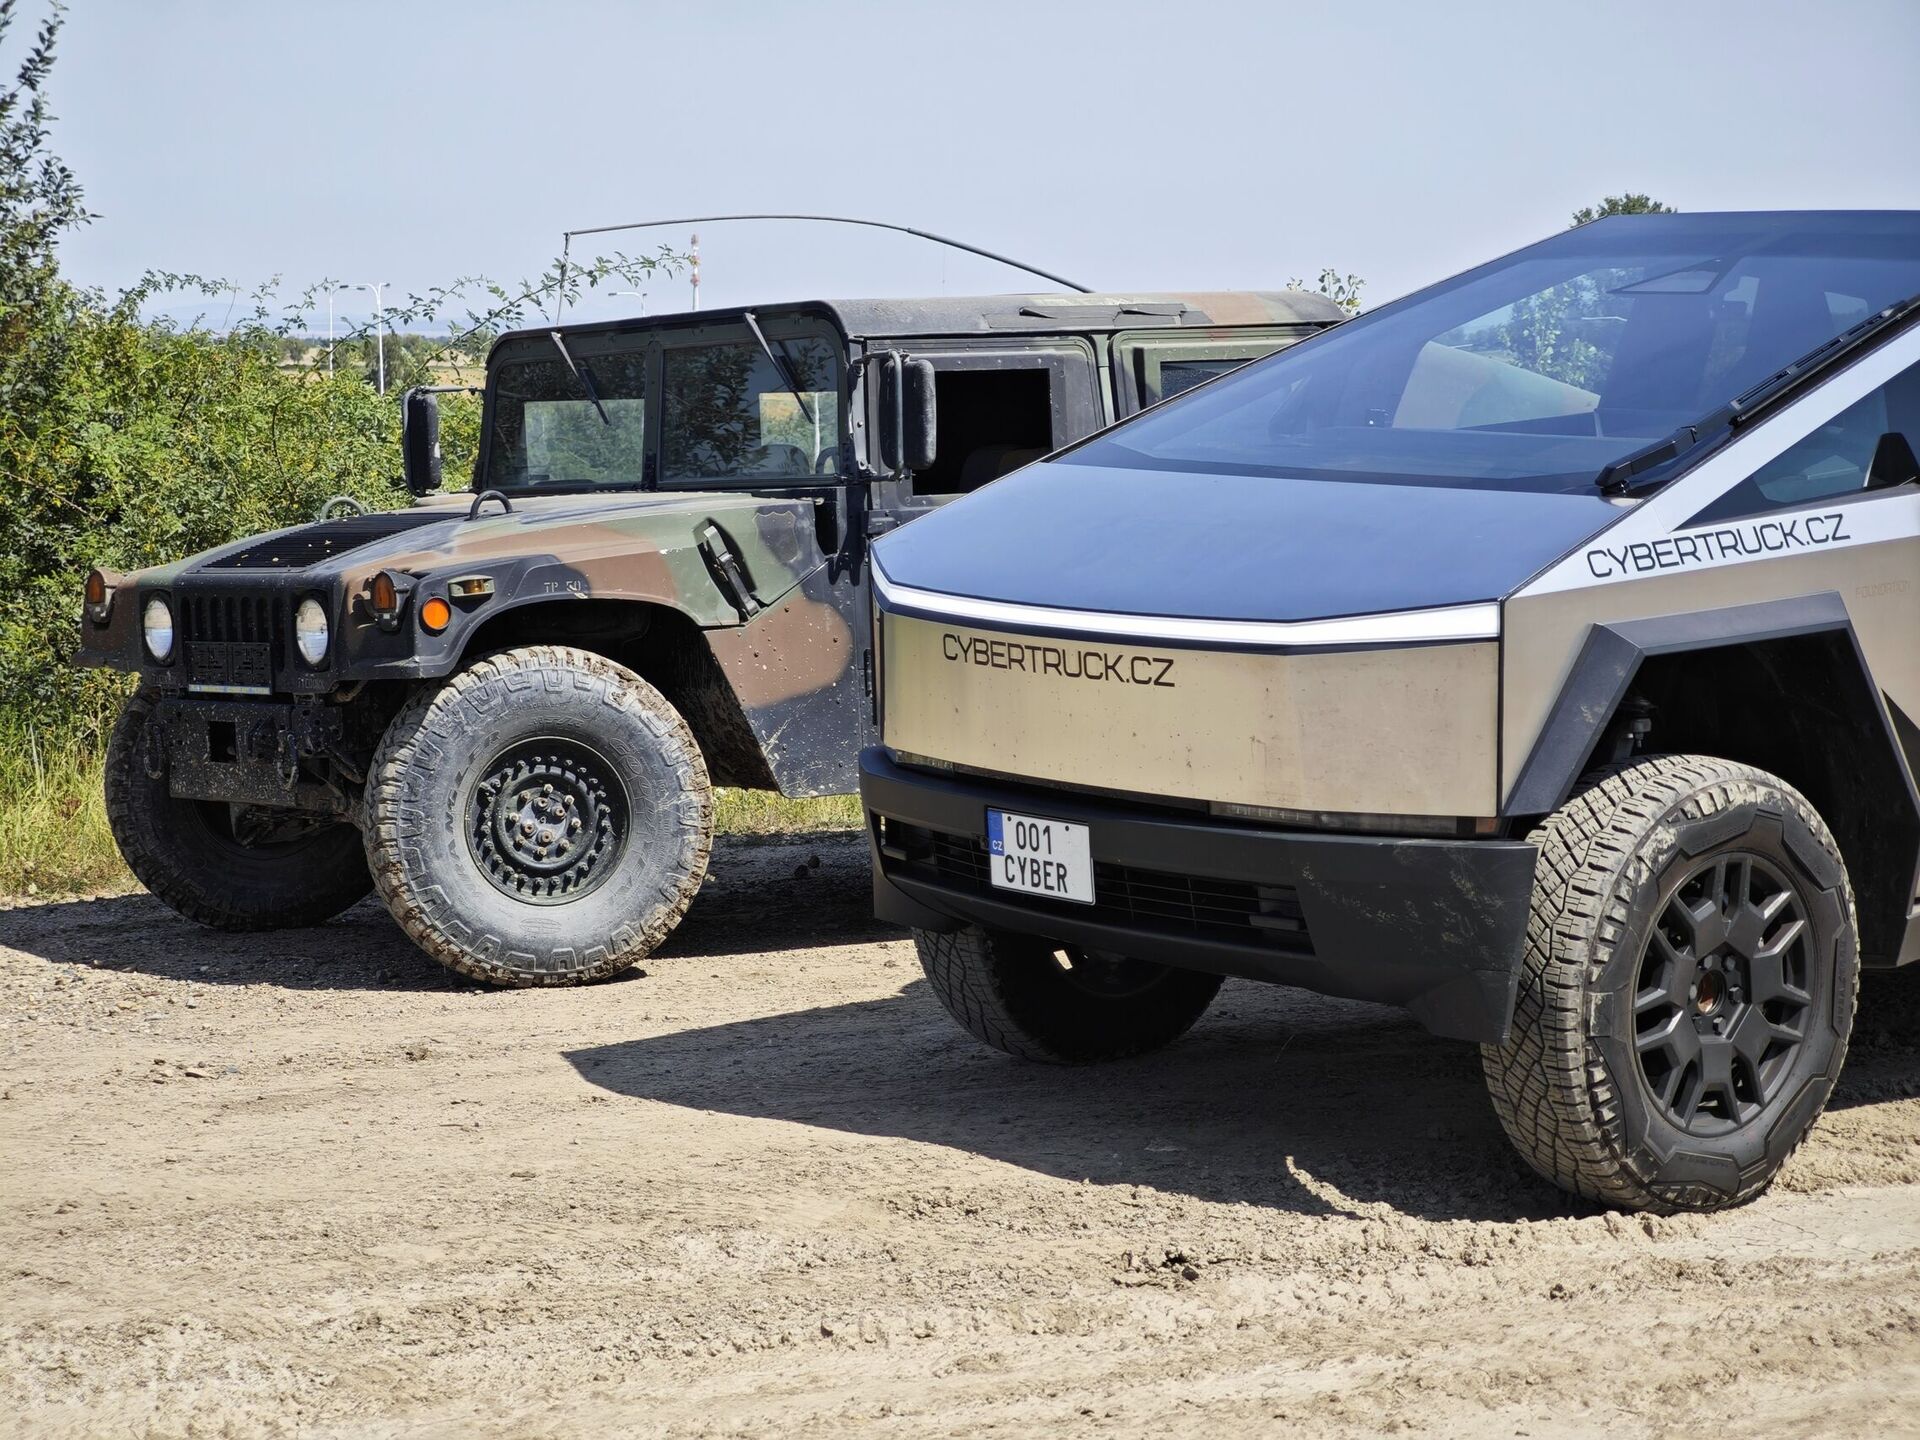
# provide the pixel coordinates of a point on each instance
(1059, 1004)
(228, 866)
(1687, 990)
(542, 818)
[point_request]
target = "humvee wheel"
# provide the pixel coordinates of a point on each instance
(193, 855)
(542, 818)
(1060, 1004)
(1687, 990)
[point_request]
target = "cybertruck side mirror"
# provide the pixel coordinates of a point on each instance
(909, 434)
(420, 441)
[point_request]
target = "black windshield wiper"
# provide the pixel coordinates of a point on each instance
(1621, 476)
(787, 377)
(583, 375)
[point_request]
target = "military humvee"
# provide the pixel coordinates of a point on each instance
(1540, 652)
(506, 710)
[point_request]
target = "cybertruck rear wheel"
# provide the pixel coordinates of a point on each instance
(1059, 1004)
(543, 818)
(1687, 990)
(230, 867)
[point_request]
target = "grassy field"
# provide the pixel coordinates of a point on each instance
(53, 823)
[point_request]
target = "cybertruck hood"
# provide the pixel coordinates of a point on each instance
(1232, 547)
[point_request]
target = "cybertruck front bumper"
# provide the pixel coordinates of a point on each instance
(1435, 926)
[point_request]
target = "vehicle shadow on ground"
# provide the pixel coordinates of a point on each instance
(760, 895)
(1277, 1098)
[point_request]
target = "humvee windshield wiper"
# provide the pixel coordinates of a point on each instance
(780, 364)
(1618, 478)
(583, 375)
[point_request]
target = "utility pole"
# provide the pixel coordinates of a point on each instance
(696, 270)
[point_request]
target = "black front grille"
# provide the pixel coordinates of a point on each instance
(310, 545)
(230, 642)
(1158, 900)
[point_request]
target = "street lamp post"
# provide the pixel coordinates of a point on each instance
(641, 295)
(379, 335)
(330, 289)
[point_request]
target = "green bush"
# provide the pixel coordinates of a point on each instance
(149, 445)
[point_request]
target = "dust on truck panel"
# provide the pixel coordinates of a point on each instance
(1536, 652)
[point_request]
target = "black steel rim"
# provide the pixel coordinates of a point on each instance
(547, 819)
(1110, 977)
(1724, 993)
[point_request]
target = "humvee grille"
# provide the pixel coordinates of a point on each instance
(309, 546)
(1126, 895)
(231, 643)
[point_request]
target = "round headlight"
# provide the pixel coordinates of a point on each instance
(310, 630)
(156, 621)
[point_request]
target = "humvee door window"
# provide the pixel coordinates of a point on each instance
(990, 422)
(1539, 370)
(729, 414)
(1835, 460)
(547, 432)
(1177, 376)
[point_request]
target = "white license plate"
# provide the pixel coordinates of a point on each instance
(1039, 857)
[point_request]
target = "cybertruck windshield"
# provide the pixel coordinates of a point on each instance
(1538, 370)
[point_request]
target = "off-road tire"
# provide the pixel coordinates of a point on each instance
(184, 852)
(1012, 992)
(1567, 1085)
(425, 782)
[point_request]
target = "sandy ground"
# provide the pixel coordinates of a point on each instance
(307, 1182)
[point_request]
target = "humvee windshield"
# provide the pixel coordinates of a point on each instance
(547, 431)
(1537, 371)
(727, 414)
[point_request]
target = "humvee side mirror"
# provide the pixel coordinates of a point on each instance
(909, 436)
(420, 441)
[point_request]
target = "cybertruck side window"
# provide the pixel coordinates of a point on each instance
(728, 415)
(547, 432)
(1835, 460)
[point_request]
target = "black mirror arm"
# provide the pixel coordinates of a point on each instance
(1893, 463)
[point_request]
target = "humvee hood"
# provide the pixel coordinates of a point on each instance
(1234, 547)
(439, 533)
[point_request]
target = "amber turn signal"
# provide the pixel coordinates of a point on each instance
(385, 597)
(99, 595)
(435, 615)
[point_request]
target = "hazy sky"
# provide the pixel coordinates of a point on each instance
(1182, 144)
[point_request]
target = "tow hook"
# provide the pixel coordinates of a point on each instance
(287, 762)
(153, 750)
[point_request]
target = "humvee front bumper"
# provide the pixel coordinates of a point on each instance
(1436, 926)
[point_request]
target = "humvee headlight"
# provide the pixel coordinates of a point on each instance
(156, 624)
(310, 635)
(99, 595)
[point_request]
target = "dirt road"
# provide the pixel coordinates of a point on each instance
(306, 1182)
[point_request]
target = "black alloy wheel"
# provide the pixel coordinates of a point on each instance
(1725, 989)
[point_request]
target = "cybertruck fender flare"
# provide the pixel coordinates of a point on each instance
(1612, 659)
